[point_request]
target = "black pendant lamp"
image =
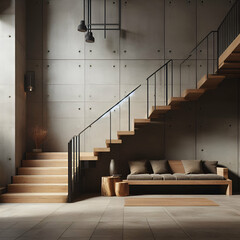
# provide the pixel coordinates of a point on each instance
(82, 26)
(89, 37)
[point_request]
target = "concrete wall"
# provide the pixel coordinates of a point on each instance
(7, 91)
(73, 75)
(77, 81)
(21, 98)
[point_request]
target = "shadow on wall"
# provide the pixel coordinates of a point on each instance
(4, 4)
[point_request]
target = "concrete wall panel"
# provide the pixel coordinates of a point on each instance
(96, 72)
(142, 34)
(95, 93)
(63, 93)
(61, 40)
(180, 28)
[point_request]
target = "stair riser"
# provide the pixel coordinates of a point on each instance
(46, 156)
(37, 189)
(23, 179)
(25, 171)
(33, 199)
(44, 163)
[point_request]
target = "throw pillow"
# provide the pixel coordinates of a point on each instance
(192, 166)
(160, 166)
(210, 166)
(138, 166)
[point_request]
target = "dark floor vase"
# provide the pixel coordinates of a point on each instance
(112, 168)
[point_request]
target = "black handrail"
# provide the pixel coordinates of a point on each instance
(160, 68)
(110, 108)
(165, 67)
(195, 49)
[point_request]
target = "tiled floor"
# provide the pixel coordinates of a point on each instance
(106, 218)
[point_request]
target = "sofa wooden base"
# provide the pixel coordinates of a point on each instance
(227, 183)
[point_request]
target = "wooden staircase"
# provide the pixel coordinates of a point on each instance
(43, 177)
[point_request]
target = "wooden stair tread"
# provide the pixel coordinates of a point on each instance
(233, 47)
(229, 65)
(113, 141)
(156, 111)
(142, 121)
(35, 194)
(125, 133)
(210, 81)
(176, 100)
(38, 184)
(100, 150)
(193, 94)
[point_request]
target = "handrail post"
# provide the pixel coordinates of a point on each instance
(110, 116)
(172, 77)
(180, 87)
(70, 171)
(129, 114)
(155, 92)
(166, 85)
(147, 97)
(79, 162)
(196, 66)
(207, 56)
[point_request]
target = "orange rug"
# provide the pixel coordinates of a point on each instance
(168, 202)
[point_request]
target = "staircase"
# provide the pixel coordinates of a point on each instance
(55, 176)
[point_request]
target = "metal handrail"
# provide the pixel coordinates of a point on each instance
(197, 46)
(160, 68)
(110, 109)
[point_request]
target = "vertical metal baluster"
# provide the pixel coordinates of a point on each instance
(180, 87)
(218, 47)
(172, 76)
(110, 116)
(155, 92)
(79, 162)
(196, 66)
(129, 114)
(207, 56)
(70, 171)
(167, 84)
(213, 53)
(73, 165)
(147, 97)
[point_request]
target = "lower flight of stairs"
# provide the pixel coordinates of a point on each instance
(43, 178)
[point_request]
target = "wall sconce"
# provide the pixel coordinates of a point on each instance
(29, 81)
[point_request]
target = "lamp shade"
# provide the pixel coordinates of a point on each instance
(89, 37)
(82, 26)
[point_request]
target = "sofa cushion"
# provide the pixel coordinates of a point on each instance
(209, 176)
(157, 177)
(139, 177)
(168, 177)
(192, 166)
(181, 176)
(138, 167)
(210, 166)
(160, 166)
